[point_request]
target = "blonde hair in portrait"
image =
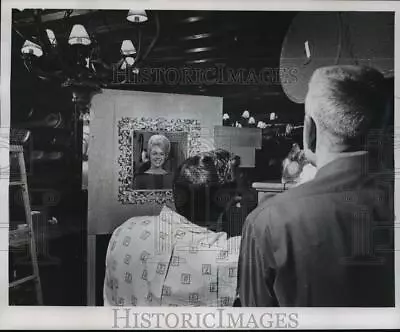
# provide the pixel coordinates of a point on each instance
(158, 149)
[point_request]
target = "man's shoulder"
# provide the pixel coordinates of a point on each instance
(308, 199)
(286, 202)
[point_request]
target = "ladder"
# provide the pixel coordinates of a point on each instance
(24, 236)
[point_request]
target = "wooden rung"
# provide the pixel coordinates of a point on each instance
(16, 148)
(22, 281)
(17, 183)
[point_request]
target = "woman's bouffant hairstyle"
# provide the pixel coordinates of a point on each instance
(161, 141)
(200, 182)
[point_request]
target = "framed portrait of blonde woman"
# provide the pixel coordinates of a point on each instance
(151, 150)
(156, 158)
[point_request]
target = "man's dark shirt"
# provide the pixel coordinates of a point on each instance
(328, 242)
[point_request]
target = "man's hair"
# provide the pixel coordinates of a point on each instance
(200, 183)
(344, 100)
(161, 141)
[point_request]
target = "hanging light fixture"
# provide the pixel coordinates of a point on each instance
(79, 36)
(261, 124)
(77, 60)
(246, 114)
(127, 47)
(52, 37)
(32, 48)
(226, 120)
(136, 16)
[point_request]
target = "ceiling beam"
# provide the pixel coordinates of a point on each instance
(53, 16)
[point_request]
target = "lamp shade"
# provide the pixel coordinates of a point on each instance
(79, 36)
(127, 47)
(31, 48)
(52, 37)
(246, 114)
(136, 16)
(261, 124)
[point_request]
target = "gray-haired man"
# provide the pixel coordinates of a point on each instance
(318, 244)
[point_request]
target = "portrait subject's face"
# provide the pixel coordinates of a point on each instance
(156, 153)
(157, 157)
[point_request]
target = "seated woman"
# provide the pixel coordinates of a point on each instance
(178, 258)
(155, 177)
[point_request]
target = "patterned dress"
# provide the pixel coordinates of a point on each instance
(166, 260)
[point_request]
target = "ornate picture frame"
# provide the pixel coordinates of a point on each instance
(126, 127)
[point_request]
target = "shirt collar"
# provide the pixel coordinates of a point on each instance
(356, 163)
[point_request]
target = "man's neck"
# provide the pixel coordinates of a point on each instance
(325, 157)
(327, 150)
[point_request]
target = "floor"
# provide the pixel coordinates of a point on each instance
(62, 268)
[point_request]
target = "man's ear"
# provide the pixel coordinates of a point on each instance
(309, 138)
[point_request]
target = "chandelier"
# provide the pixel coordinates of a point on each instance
(76, 60)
